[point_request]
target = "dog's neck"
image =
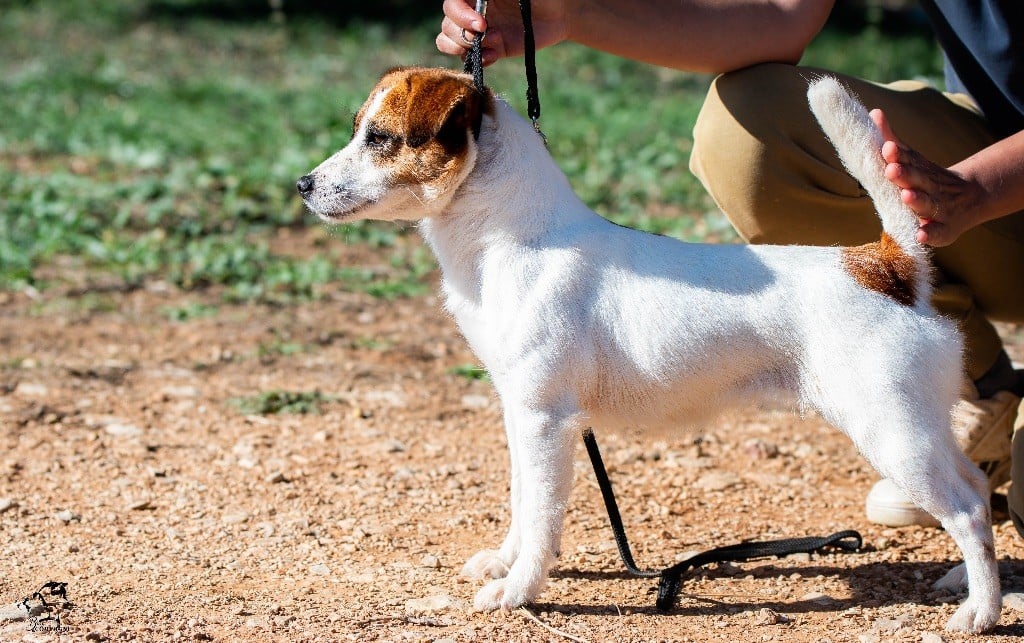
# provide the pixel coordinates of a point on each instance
(514, 196)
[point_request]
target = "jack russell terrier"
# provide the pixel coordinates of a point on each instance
(581, 322)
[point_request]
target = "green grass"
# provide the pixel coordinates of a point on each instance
(161, 140)
(278, 401)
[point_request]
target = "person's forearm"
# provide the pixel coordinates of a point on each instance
(699, 35)
(999, 171)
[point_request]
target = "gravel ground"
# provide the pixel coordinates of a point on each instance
(127, 472)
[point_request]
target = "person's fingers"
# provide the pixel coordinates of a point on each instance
(451, 39)
(463, 16)
(878, 116)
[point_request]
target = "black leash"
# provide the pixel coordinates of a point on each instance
(474, 59)
(474, 62)
(671, 577)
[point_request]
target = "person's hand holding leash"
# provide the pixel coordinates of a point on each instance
(503, 26)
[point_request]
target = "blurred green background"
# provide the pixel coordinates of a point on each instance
(160, 140)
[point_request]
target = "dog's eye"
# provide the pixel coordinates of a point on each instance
(376, 138)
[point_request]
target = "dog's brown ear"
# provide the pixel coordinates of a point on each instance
(446, 108)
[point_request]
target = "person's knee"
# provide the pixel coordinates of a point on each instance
(762, 156)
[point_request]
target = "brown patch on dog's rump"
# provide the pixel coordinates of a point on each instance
(882, 266)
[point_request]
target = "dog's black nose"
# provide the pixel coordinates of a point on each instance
(305, 185)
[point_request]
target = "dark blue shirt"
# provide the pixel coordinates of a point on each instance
(983, 41)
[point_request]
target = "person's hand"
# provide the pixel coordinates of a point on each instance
(504, 27)
(943, 201)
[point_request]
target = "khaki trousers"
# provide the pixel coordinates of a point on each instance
(769, 167)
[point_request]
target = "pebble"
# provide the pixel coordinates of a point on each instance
(817, 597)
(430, 561)
(768, 616)
(717, 481)
(236, 518)
(67, 516)
(758, 449)
(931, 637)
(7, 504)
(120, 430)
(893, 624)
(277, 476)
(431, 604)
(320, 569)
(476, 401)
(29, 389)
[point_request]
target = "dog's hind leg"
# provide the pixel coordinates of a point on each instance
(542, 448)
(495, 563)
(939, 478)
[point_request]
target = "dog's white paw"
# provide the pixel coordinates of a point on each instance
(488, 563)
(974, 618)
(505, 594)
(954, 581)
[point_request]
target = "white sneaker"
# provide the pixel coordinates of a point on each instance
(983, 428)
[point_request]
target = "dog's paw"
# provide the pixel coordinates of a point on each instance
(954, 581)
(973, 617)
(504, 594)
(488, 563)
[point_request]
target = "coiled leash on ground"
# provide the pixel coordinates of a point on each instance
(670, 577)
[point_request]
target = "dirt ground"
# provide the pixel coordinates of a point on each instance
(127, 472)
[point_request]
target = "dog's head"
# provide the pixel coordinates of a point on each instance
(413, 142)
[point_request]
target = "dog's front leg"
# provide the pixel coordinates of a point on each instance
(542, 451)
(495, 563)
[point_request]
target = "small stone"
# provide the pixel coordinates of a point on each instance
(817, 597)
(95, 636)
(394, 446)
(868, 637)
(758, 449)
(475, 401)
(430, 561)
(7, 504)
(142, 504)
(120, 430)
(717, 481)
(29, 389)
(276, 477)
(799, 557)
(902, 621)
(320, 569)
(431, 604)
(236, 518)
(768, 616)
(67, 516)
(13, 613)
(931, 637)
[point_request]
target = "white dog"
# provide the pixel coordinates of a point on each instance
(581, 322)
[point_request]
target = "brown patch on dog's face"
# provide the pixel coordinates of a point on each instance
(420, 129)
(412, 146)
(883, 267)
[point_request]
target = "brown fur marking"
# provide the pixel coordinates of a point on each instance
(430, 112)
(883, 267)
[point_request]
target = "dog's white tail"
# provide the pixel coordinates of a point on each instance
(859, 143)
